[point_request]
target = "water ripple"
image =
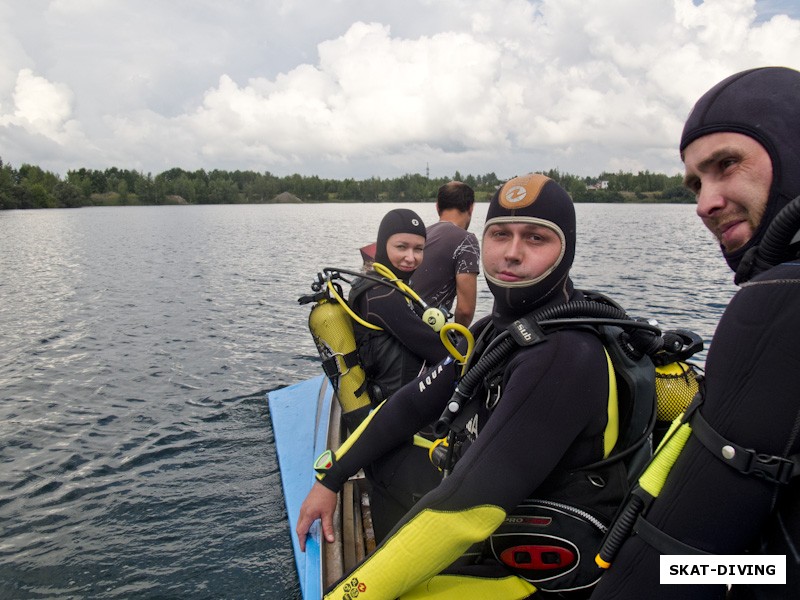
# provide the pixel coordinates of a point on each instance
(137, 345)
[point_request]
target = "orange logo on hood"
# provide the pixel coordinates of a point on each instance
(522, 192)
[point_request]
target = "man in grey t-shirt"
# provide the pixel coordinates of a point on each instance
(450, 265)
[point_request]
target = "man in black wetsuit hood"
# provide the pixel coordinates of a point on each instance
(535, 201)
(735, 494)
(549, 418)
(764, 106)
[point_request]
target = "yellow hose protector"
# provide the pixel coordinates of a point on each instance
(419, 550)
(334, 294)
(332, 330)
(654, 477)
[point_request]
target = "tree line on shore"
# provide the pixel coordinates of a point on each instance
(29, 186)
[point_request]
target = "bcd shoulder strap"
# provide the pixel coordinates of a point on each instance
(771, 468)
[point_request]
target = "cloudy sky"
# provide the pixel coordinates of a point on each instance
(363, 88)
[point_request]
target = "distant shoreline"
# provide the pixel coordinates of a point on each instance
(31, 187)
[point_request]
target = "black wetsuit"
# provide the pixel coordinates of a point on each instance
(391, 358)
(396, 355)
(752, 399)
(550, 419)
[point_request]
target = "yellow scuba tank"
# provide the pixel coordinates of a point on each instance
(677, 383)
(676, 386)
(331, 325)
(332, 329)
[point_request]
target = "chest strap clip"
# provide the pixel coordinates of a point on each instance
(747, 461)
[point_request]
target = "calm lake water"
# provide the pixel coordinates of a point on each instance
(136, 348)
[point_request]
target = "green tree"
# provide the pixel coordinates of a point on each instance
(122, 190)
(146, 190)
(32, 187)
(81, 180)
(349, 190)
(678, 194)
(35, 195)
(261, 189)
(223, 191)
(67, 195)
(8, 179)
(184, 187)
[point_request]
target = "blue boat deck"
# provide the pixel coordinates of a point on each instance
(300, 419)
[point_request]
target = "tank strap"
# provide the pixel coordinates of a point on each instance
(663, 542)
(338, 364)
(772, 468)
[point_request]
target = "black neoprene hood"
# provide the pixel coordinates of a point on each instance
(533, 197)
(763, 104)
(399, 220)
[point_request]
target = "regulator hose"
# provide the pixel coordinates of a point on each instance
(780, 233)
(774, 245)
(470, 381)
(505, 346)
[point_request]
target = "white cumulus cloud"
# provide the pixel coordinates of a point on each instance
(352, 89)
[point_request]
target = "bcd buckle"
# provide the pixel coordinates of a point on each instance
(768, 466)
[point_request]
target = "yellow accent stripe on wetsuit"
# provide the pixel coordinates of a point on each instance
(611, 434)
(421, 548)
(461, 587)
(353, 437)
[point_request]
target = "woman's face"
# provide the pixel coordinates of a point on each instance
(405, 251)
(517, 252)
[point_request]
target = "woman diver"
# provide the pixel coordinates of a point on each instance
(399, 352)
(547, 420)
(391, 357)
